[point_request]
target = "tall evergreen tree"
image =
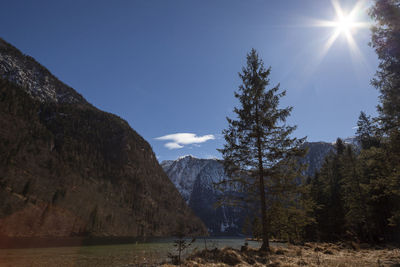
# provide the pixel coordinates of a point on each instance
(354, 196)
(383, 198)
(330, 213)
(259, 149)
(366, 132)
(386, 42)
(314, 231)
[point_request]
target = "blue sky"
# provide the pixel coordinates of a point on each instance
(171, 66)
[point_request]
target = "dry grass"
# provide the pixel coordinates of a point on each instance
(311, 254)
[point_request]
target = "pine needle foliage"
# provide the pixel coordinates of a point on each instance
(260, 156)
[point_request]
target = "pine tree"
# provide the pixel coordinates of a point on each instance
(382, 196)
(330, 213)
(181, 244)
(355, 196)
(366, 132)
(386, 42)
(316, 230)
(259, 149)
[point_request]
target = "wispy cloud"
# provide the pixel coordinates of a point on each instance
(179, 140)
(172, 145)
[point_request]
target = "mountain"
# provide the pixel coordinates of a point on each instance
(317, 151)
(70, 169)
(38, 82)
(194, 178)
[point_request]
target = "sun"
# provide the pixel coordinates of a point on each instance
(346, 23)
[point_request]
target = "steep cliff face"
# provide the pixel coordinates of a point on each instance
(67, 168)
(203, 201)
(317, 151)
(184, 172)
(195, 178)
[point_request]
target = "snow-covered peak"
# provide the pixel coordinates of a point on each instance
(166, 163)
(188, 157)
(26, 72)
(195, 179)
(183, 173)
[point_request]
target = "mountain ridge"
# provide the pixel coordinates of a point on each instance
(26, 72)
(70, 169)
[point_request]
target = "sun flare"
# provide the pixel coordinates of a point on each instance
(345, 23)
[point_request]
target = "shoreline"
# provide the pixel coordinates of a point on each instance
(77, 241)
(309, 254)
(219, 252)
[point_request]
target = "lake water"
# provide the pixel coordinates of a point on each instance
(136, 254)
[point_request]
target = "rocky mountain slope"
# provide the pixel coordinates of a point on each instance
(317, 151)
(69, 169)
(38, 82)
(194, 178)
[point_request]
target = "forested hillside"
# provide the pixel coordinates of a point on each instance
(67, 168)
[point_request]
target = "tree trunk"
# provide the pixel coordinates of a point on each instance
(265, 244)
(179, 253)
(265, 238)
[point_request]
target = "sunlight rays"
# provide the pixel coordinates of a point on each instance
(345, 23)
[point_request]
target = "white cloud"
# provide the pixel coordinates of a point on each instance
(179, 140)
(171, 145)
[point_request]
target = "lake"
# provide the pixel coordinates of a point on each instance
(135, 254)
